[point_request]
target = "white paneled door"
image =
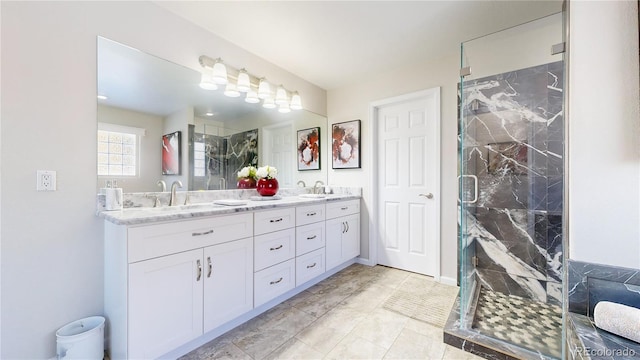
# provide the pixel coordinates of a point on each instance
(279, 152)
(409, 183)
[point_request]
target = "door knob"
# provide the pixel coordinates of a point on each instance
(428, 196)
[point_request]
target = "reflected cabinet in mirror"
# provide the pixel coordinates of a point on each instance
(156, 126)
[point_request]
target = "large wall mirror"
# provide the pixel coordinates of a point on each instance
(146, 103)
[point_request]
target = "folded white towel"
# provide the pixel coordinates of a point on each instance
(619, 319)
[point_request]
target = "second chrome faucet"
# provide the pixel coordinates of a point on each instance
(174, 185)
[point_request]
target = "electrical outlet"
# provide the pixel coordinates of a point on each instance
(46, 180)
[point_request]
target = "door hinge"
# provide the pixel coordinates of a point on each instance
(465, 71)
(474, 261)
(557, 48)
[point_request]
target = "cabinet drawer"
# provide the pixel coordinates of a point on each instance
(342, 208)
(274, 281)
(274, 248)
(310, 214)
(309, 237)
(146, 242)
(274, 220)
(309, 266)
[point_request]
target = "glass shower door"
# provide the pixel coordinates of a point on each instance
(510, 177)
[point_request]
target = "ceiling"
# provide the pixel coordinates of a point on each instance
(337, 43)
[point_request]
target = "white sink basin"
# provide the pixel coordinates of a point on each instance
(313, 196)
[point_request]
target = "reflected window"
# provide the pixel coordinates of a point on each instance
(118, 150)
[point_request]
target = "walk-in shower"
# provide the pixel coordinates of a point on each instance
(511, 141)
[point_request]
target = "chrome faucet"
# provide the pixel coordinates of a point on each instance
(163, 185)
(315, 186)
(302, 182)
(172, 199)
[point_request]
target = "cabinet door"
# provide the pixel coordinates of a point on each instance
(351, 237)
(228, 282)
(165, 303)
(333, 242)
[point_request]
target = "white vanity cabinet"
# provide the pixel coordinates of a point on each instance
(342, 232)
(168, 283)
(310, 241)
(275, 249)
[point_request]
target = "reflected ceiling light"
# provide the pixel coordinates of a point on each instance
(206, 80)
(231, 90)
(102, 97)
(209, 114)
(281, 96)
(284, 108)
(264, 89)
(296, 101)
(269, 103)
(252, 97)
(219, 75)
(244, 82)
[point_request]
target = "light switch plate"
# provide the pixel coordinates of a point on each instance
(46, 180)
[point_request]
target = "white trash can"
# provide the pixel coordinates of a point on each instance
(81, 339)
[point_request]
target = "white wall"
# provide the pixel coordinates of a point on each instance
(52, 244)
(352, 103)
(517, 48)
(180, 121)
(604, 133)
(150, 159)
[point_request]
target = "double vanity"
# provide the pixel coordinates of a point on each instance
(175, 275)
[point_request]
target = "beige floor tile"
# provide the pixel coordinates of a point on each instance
(369, 298)
(342, 319)
(412, 345)
(319, 304)
(381, 327)
(355, 347)
(321, 338)
(295, 349)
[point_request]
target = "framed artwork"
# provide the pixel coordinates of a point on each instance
(345, 145)
(507, 158)
(309, 149)
(171, 153)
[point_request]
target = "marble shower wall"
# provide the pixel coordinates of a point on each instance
(513, 142)
(222, 157)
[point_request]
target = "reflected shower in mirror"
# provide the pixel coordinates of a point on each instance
(149, 97)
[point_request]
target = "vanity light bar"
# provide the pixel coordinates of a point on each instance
(246, 82)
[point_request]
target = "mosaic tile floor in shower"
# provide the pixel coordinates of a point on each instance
(533, 325)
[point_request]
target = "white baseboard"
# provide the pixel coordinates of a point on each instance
(448, 281)
(367, 262)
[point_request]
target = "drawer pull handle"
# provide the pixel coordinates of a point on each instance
(344, 227)
(310, 266)
(312, 237)
(275, 282)
(344, 208)
(202, 233)
(312, 214)
(276, 220)
(199, 265)
(210, 266)
(347, 223)
(276, 248)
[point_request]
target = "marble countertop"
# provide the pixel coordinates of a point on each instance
(147, 215)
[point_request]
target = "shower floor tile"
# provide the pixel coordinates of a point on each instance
(531, 324)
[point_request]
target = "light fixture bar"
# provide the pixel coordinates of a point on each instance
(239, 78)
